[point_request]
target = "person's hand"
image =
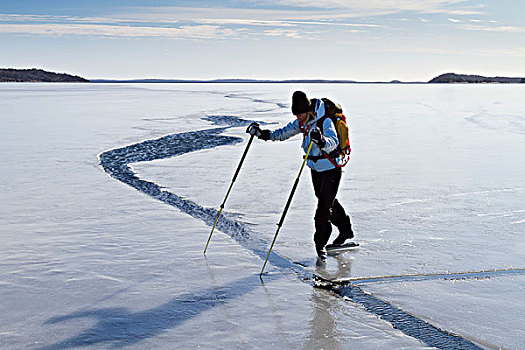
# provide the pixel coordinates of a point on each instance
(317, 137)
(254, 129)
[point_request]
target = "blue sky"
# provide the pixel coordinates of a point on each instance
(410, 40)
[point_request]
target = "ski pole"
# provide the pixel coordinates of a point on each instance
(287, 206)
(228, 193)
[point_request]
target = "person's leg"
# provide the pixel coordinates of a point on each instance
(325, 187)
(342, 221)
(316, 181)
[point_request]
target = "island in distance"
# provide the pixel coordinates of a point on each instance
(473, 79)
(37, 76)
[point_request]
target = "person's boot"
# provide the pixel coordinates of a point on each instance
(321, 253)
(345, 232)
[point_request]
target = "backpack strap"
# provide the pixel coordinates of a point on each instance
(331, 111)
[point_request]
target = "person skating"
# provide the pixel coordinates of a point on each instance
(312, 123)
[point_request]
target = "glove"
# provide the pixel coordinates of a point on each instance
(317, 137)
(254, 129)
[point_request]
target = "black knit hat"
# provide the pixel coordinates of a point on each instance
(300, 103)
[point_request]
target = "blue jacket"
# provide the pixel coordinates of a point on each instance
(293, 128)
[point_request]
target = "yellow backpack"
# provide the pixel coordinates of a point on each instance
(334, 111)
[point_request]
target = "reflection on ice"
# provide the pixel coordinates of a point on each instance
(119, 327)
(115, 162)
(435, 186)
(408, 324)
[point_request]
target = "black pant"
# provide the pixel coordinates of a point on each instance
(329, 211)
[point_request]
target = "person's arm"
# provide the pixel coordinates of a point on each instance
(332, 141)
(281, 134)
(289, 130)
(328, 141)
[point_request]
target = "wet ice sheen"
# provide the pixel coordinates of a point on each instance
(115, 163)
(86, 261)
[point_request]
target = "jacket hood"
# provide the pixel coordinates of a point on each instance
(319, 111)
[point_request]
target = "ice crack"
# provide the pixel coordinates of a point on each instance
(116, 162)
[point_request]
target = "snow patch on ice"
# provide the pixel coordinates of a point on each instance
(504, 122)
(505, 213)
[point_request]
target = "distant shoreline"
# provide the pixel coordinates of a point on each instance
(248, 81)
(40, 76)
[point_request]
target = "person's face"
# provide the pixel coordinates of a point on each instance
(302, 117)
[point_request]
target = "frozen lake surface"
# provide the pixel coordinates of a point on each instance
(109, 191)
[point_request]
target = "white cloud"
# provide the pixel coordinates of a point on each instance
(69, 19)
(507, 29)
(283, 33)
(324, 15)
(309, 19)
(54, 29)
(281, 23)
(198, 23)
(465, 12)
(378, 7)
(202, 16)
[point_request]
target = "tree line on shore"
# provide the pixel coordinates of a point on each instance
(37, 75)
